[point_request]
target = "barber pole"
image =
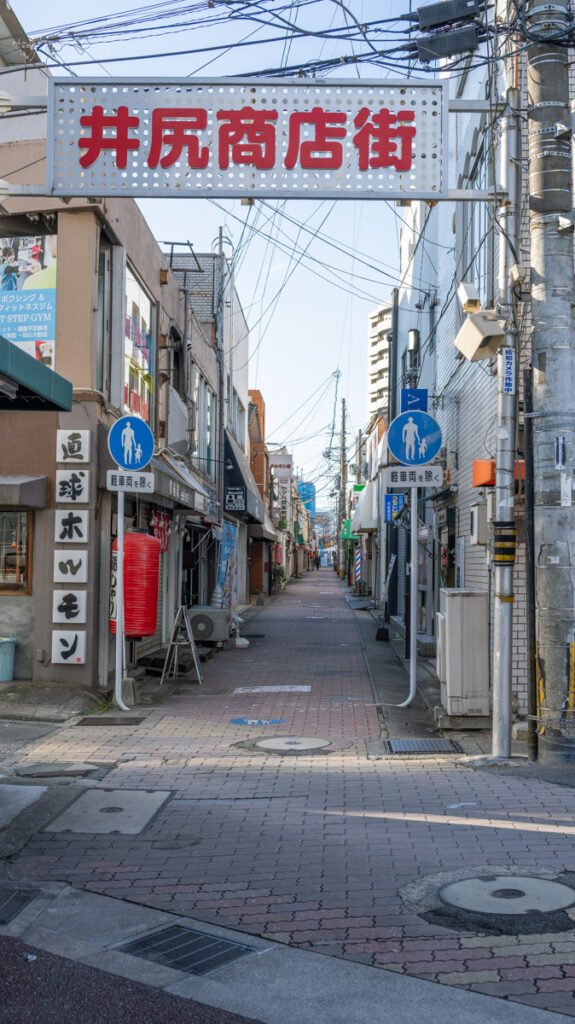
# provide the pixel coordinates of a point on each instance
(358, 565)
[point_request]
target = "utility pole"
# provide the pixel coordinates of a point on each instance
(504, 532)
(553, 358)
(218, 312)
(358, 460)
(342, 491)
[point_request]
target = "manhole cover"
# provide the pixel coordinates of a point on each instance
(12, 901)
(186, 950)
(292, 743)
(508, 894)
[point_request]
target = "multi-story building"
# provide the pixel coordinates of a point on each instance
(261, 536)
(218, 360)
(98, 301)
(379, 369)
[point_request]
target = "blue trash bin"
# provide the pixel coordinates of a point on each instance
(7, 648)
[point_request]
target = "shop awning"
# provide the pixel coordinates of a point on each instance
(365, 517)
(242, 498)
(26, 384)
(23, 491)
(176, 481)
(263, 531)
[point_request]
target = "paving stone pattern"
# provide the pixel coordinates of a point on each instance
(314, 850)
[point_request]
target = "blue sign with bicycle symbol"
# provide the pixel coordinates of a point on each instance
(414, 438)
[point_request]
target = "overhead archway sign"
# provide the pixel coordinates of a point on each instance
(272, 138)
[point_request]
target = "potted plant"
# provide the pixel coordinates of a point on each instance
(278, 577)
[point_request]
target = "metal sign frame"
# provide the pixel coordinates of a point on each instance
(162, 168)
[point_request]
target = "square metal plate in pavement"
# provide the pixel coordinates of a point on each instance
(187, 950)
(103, 811)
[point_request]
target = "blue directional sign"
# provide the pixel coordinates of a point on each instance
(413, 398)
(131, 443)
(414, 438)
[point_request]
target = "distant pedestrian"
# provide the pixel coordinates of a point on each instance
(317, 562)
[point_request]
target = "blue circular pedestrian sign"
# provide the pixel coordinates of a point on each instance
(414, 438)
(131, 443)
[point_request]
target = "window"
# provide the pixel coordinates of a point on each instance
(104, 318)
(203, 422)
(139, 349)
(15, 551)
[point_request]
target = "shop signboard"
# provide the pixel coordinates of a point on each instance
(364, 139)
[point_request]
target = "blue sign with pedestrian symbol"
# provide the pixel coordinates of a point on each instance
(414, 438)
(131, 443)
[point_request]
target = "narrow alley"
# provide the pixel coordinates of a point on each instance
(267, 816)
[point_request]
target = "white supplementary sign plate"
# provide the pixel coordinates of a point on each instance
(414, 476)
(234, 137)
(119, 480)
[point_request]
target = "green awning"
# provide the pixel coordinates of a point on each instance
(26, 384)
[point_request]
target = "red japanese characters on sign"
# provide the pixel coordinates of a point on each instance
(234, 137)
(247, 136)
(160, 523)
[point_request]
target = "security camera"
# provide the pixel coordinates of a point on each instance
(481, 335)
(469, 297)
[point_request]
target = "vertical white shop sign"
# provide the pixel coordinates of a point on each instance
(70, 566)
(69, 606)
(73, 486)
(71, 526)
(73, 446)
(69, 647)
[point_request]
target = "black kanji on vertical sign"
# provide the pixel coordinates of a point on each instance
(71, 527)
(69, 606)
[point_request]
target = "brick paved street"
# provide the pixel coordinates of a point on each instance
(323, 850)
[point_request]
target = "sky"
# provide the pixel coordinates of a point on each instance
(307, 272)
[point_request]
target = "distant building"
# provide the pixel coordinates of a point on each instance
(307, 494)
(379, 346)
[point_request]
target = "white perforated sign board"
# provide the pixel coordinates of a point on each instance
(233, 137)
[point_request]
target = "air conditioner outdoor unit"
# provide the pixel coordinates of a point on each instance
(209, 625)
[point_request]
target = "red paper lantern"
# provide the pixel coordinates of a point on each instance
(141, 580)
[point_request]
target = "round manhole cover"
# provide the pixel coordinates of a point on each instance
(507, 894)
(292, 743)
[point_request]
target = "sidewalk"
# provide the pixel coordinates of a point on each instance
(324, 847)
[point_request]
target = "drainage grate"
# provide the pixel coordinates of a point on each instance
(110, 721)
(186, 950)
(422, 746)
(12, 901)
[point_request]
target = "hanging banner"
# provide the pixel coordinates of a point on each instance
(234, 137)
(227, 579)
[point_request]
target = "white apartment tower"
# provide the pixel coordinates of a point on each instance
(379, 356)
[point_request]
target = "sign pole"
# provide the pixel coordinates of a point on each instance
(131, 446)
(120, 608)
(413, 574)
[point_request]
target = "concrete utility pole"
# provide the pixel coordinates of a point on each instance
(218, 312)
(551, 227)
(504, 532)
(358, 459)
(342, 492)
